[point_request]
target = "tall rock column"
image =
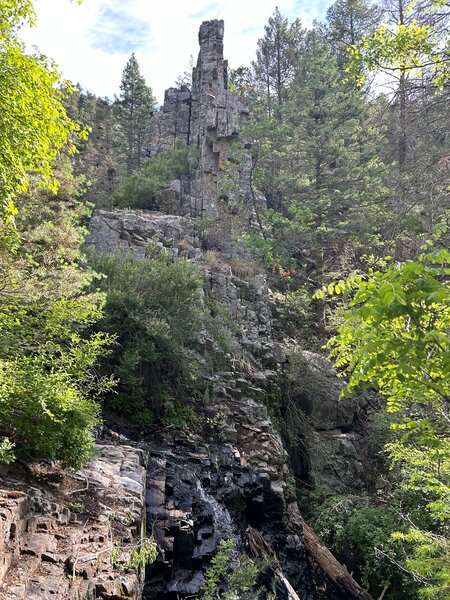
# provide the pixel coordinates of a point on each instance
(208, 117)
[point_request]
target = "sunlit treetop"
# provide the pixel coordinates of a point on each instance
(418, 44)
(34, 125)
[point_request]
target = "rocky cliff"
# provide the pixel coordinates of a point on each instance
(207, 117)
(231, 478)
(60, 531)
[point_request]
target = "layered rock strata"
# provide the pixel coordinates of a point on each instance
(230, 477)
(233, 473)
(69, 536)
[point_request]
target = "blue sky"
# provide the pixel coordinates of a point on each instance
(92, 42)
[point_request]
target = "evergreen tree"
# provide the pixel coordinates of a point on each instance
(275, 61)
(348, 21)
(97, 158)
(410, 52)
(321, 173)
(132, 110)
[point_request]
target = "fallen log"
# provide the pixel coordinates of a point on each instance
(331, 567)
(337, 574)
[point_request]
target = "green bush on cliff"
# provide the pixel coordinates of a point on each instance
(145, 188)
(156, 311)
(237, 573)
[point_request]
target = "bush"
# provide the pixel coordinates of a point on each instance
(48, 354)
(145, 189)
(237, 573)
(156, 311)
(359, 533)
(47, 382)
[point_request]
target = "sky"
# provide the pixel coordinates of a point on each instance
(92, 42)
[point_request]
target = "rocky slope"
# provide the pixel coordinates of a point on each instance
(60, 531)
(231, 478)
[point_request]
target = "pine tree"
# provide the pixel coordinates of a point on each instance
(320, 172)
(275, 61)
(96, 159)
(410, 53)
(132, 110)
(348, 21)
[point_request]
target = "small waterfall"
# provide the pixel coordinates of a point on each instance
(223, 524)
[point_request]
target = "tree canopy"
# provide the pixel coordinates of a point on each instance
(34, 125)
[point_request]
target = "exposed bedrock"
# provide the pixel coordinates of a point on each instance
(232, 480)
(58, 534)
(208, 117)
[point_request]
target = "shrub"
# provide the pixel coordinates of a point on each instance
(48, 354)
(237, 573)
(359, 533)
(156, 311)
(145, 189)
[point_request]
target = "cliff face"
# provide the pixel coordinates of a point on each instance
(233, 480)
(234, 475)
(58, 534)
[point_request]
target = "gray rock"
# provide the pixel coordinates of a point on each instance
(317, 391)
(208, 117)
(337, 461)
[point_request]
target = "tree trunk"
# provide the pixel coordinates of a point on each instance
(402, 139)
(336, 573)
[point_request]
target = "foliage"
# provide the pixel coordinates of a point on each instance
(146, 188)
(348, 21)
(358, 532)
(430, 562)
(321, 174)
(155, 309)
(274, 67)
(143, 554)
(137, 555)
(34, 125)
(6, 451)
(48, 384)
(417, 41)
(97, 159)
(237, 574)
(131, 110)
(395, 338)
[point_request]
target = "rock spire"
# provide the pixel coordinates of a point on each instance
(207, 117)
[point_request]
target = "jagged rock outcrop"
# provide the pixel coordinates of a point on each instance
(58, 533)
(336, 453)
(208, 117)
(230, 477)
(233, 473)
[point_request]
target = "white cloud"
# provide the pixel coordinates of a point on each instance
(92, 42)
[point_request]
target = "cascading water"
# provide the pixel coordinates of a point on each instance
(223, 524)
